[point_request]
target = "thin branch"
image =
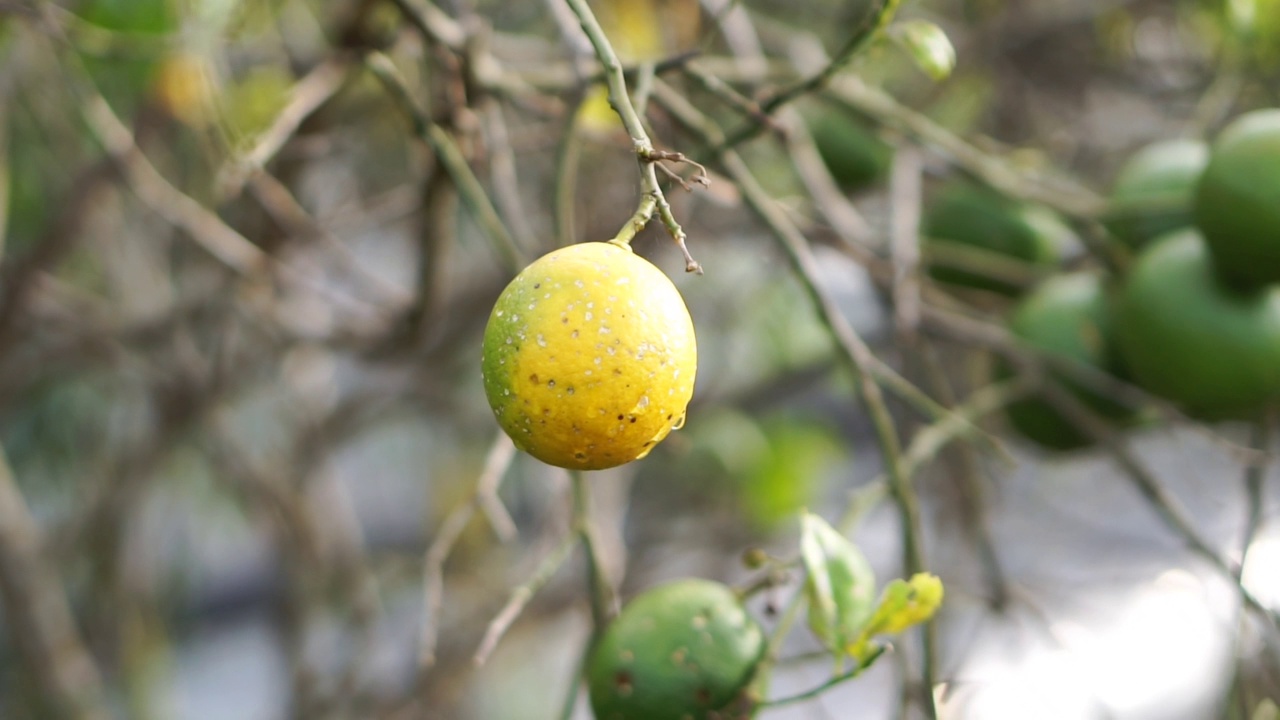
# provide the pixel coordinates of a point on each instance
(876, 17)
(1058, 193)
(846, 339)
(1148, 486)
(521, 596)
(495, 466)
(906, 194)
(39, 619)
(1254, 477)
(829, 683)
(305, 97)
(451, 157)
(180, 210)
(603, 598)
(651, 196)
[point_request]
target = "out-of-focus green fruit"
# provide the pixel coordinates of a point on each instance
(966, 216)
(1066, 316)
(1237, 204)
(682, 651)
(1186, 336)
(1153, 192)
(853, 153)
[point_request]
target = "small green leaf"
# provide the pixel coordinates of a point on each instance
(903, 603)
(840, 584)
(928, 45)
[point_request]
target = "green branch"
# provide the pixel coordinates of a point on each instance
(651, 197)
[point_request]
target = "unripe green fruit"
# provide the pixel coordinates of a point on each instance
(852, 152)
(1186, 336)
(1066, 316)
(686, 650)
(963, 214)
(1154, 190)
(1238, 201)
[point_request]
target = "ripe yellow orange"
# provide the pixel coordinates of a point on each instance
(589, 357)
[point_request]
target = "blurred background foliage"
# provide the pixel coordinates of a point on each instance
(240, 315)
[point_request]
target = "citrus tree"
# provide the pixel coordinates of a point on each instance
(638, 359)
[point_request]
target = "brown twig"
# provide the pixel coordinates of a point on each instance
(39, 619)
(484, 497)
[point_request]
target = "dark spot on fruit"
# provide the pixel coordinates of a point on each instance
(702, 696)
(551, 383)
(570, 390)
(537, 285)
(533, 378)
(633, 418)
(670, 416)
(580, 456)
(619, 417)
(617, 371)
(649, 443)
(564, 320)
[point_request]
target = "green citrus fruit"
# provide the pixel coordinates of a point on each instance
(1238, 201)
(1153, 192)
(589, 357)
(978, 219)
(682, 651)
(1187, 337)
(1066, 316)
(852, 152)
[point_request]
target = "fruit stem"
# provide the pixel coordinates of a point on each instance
(830, 682)
(652, 198)
(602, 595)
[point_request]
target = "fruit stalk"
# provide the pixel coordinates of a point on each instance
(602, 595)
(652, 198)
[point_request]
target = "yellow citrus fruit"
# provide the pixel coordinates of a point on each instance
(589, 357)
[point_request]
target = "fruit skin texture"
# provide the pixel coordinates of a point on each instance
(1187, 337)
(965, 214)
(682, 651)
(589, 357)
(1066, 316)
(1238, 201)
(1154, 191)
(852, 153)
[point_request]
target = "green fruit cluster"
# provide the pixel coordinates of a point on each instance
(1198, 315)
(1194, 317)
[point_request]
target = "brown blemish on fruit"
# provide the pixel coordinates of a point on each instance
(622, 680)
